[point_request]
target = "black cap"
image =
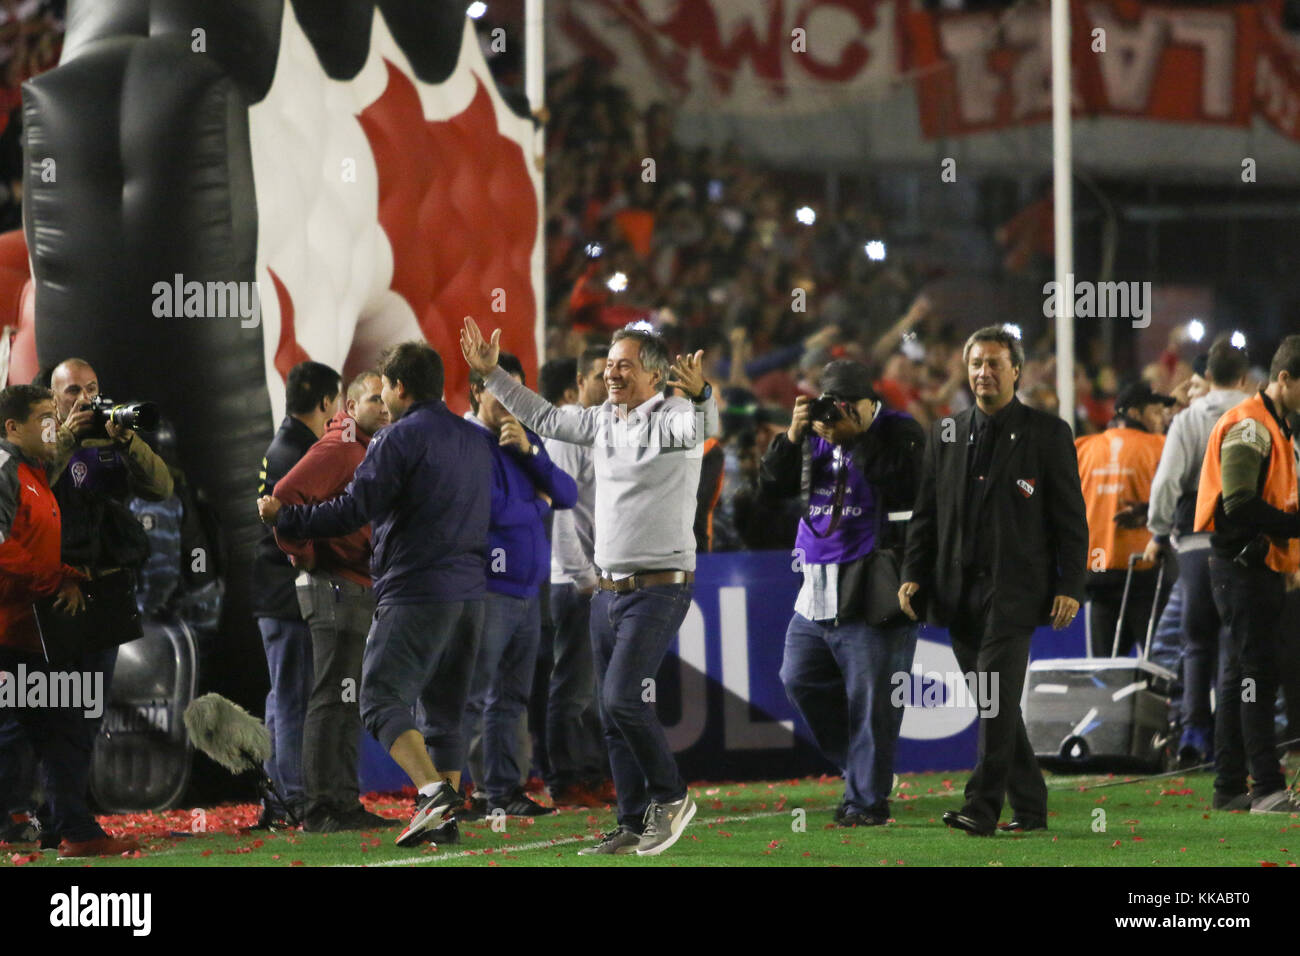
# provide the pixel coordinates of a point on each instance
(1139, 394)
(1201, 363)
(847, 379)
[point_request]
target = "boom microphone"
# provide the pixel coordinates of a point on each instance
(235, 739)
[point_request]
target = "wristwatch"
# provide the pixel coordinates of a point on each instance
(705, 394)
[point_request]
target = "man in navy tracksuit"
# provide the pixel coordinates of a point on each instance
(519, 562)
(422, 489)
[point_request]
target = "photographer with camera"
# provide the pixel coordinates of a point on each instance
(858, 464)
(100, 462)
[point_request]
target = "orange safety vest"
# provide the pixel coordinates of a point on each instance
(1116, 466)
(1279, 483)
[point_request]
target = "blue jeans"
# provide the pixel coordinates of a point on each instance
(573, 737)
(503, 678)
(840, 679)
(63, 741)
(289, 660)
(630, 634)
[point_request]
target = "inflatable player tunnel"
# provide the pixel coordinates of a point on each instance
(215, 191)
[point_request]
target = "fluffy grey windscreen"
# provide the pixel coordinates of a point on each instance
(227, 733)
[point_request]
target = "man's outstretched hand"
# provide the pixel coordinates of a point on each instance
(479, 353)
(687, 373)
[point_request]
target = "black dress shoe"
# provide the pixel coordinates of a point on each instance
(1017, 825)
(959, 821)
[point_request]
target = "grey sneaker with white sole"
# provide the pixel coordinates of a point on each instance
(1279, 801)
(664, 823)
(622, 841)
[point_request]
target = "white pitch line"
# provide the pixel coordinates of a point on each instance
(540, 845)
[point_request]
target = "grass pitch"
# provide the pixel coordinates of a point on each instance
(1164, 822)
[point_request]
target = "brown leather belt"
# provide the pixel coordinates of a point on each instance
(646, 579)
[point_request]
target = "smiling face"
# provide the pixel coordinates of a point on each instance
(992, 376)
(395, 399)
(626, 378)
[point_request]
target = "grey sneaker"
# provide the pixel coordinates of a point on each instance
(664, 823)
(1279, 801)
(621, 841)
(1231, 802)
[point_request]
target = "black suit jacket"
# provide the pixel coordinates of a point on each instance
(1034, 527)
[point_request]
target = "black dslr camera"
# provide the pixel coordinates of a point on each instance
(826, 409)
(137, 415)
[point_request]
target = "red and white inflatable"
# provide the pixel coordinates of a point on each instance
(214, 192)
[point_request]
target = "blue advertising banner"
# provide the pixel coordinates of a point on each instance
(720, 697)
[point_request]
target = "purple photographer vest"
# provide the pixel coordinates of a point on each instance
(97, 469)
(856, 534)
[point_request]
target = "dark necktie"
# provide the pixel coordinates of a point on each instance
(980, 458)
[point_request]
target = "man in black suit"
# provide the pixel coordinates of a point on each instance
(998, 545)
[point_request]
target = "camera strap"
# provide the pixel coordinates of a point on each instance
(805, 490)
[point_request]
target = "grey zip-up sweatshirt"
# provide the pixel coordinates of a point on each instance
(1173, 490)
(647, 471)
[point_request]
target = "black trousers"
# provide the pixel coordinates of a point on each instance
(1005, 768)
(1201, 628)
(1105, 594)
(1250, 601)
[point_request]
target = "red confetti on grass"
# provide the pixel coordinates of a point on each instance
(1267, 863)
(21, 859)
(1115, 844)
(297, 863)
